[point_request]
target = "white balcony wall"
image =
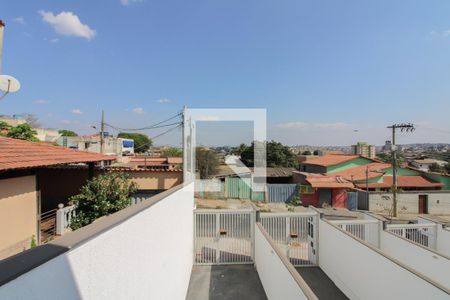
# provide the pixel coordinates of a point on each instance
(424, 261)
(280, 281)
(443, 240)
(145, 256)
(442, 236)
(362, 272)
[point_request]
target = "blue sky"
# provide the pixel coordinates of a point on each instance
(321, 68)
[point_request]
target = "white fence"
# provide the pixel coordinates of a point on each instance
(363, 272)
(223, 236)
(64, 217)
(423, 234)
(278, 277)
(366, 230)
(295, 234)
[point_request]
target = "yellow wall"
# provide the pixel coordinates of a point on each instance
(156, 180)
(18, 209)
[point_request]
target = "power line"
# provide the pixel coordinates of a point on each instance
(157, 136)
(153, 126)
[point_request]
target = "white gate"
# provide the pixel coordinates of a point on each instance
(223, 236)
(423, 234)
(295, 233)
(364, 229)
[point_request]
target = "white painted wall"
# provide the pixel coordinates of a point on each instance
(443, 240)
(442, 236)
(428, 263)
(148, 256)
(362, 273)
(275, 277)
(408, 202)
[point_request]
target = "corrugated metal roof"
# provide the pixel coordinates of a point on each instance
(19, 154)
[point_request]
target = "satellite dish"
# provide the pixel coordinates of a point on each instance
(9, 84)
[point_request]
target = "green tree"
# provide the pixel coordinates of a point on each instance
(102, 196)
(307, 152)
(171, 152)
(387, 158)
(4, 127)
(141, 141)
(316, 152)
(435, 167)
(277, 155)
(65, 132)
(238, 150)
(23, 132)
(207, 162)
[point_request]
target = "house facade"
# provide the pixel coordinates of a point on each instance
(22, 164)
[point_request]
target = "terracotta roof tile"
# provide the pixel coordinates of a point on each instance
(329, 160)
(320, 181)
(403, 182)
(19, 154)
(359, 173)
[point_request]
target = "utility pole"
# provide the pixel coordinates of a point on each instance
(367, 180)
(408, 127)
(102, 130)
(2, 27)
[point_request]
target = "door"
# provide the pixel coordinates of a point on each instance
(423, 204)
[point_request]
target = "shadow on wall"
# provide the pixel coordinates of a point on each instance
(56, 281)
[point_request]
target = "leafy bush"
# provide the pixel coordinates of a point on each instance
(102, 196)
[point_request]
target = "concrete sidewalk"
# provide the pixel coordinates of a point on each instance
(231, 282)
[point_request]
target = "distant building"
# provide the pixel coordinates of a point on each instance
(387, 148)
(42, 134)
(424, 164)
(364, 149)
(111, 145)
(13, 120)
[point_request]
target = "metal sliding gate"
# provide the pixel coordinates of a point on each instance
(295, 233)
(224, 236)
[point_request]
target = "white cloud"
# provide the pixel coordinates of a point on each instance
(65, 122)
(55, 40)
(337, 125)
(292, 125)
(303, 125)
(138, 110)
(40, 101)
(128, 2)
(19, 20)
(77, 111)
(163, 100)
(446, 33)
(67, 23)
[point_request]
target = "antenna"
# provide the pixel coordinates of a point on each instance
(8, 84)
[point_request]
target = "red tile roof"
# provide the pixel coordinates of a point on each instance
(19, 154)
(329, 160)
(359, 173)
(319, 181)
(403, 182)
